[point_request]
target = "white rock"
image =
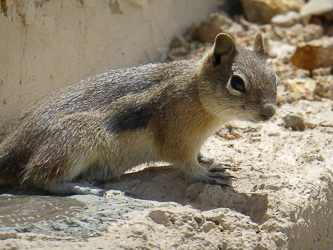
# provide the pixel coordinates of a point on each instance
(286, 20)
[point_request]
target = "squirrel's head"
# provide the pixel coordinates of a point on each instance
(237, 82)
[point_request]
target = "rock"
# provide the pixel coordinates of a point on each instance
(302, 84)
(299, 33)
(311, 32)
(302, 73)
(314, 54)
(322, 72)
(295, 122)
(235, 29)
(215, 215)
(286, 20)
(324, 79)
(274, 134)
(305, 86)
(215, 24)
(237, 135)
(177, 53)
(248, 26)
(288, 97)
(230, 137)
(262, 11)
(280, 50)
(178, 41)
(160, 217)
(324, 89)
(209, 28)
(322, 8)
(326, 124)
(208, 226)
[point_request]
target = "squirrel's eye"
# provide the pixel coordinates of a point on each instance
(237, 83)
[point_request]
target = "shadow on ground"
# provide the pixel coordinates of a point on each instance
(167, 184)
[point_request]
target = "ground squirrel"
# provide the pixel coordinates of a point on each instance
(104, 125)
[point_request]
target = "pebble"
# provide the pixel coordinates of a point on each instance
(230, 137)
(324, 89)
(314, 54)
(302, 73)
(286, 20)
(295, 122)
(322, 71)
(326, 124)
(275, 186)
(302, 84)
(177, 53)
(209, 28)
(178, 41)
(208, 226)
(274, 134)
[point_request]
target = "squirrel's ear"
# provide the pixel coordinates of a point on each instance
(224, 49)
(258, 45)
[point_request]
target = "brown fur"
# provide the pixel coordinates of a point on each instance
(104, 125)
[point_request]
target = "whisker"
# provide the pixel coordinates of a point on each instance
(285, 111)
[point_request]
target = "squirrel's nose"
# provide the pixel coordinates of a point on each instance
(268, 110)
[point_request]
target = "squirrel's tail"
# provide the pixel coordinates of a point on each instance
(13, 158)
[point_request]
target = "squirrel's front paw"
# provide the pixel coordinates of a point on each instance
(213, 176)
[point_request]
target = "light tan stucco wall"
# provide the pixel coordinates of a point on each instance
(44, 45)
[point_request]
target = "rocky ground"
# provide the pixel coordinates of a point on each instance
(282, 196)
